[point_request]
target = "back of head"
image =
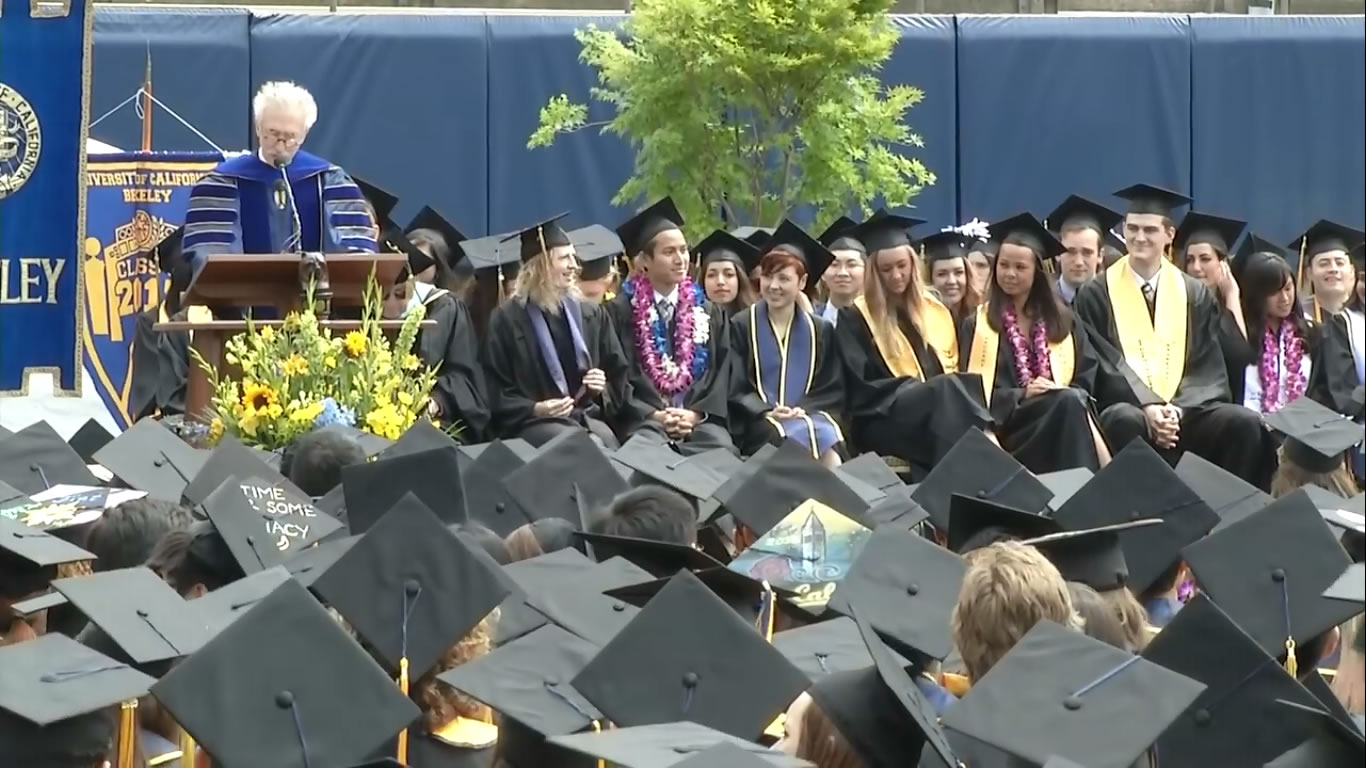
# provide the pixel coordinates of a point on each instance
(541, 537)
(1132, 617)
(1098, 619)
(822, 743)
(650, 512)
(20, 578)
(85, 741)
(482, 538)
(318, 457)
(1291, 477)
(124, 536)
(194, 560)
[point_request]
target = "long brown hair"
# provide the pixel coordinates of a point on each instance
(823, 744)
(1041, 305)
(882, 308)
(440, 703)
(1291, 477)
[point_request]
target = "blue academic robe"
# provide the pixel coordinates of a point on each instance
(935, 693)
(1162, 610)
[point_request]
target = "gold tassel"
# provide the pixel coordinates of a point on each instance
(1292, 667)
(128, 734)
(403, 686)
(187, 749)
(597, 728)
(1299, 279)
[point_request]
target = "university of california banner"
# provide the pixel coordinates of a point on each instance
(44, 102)
(133, 202)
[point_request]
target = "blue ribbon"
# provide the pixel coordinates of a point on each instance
(547, 344)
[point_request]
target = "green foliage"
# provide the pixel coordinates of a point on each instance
(752, 106)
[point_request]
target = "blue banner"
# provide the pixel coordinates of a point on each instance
(133, 202)
(44, 98)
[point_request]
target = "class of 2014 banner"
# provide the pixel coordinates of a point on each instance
(133, 202)
(44, 98)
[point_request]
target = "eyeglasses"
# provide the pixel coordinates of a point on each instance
(288, 139)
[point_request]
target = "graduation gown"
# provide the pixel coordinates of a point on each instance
(1339, 365)
(451, 348)
(802, 371)
(1048, 432)
(519, 376)
(160, 368)
(1173, 356)
(908, 401)
(1238, 354)
(706, 395)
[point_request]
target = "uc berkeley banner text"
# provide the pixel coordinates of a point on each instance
(133, 202)
(44, 96)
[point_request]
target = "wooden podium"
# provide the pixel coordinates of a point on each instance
(231, 281)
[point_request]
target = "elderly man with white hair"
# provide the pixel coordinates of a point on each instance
(279, 199)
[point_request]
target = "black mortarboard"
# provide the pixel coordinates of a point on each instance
(977, 467)
(382, 201)
(567, 587)
(1316, 438)
(471, 451)
(1326, 236)
(1333, 744)
(91, 437)
(168, 253)
(1350, 586)
(694, 476)
(36, 458)
(723, 246)
(768, 488)
(309, 565)
(1272, 567)
(490, 256)
(410, 587)
(11, 496)
(597, 248)
(1217, 232)
(637, 231)
(1114, 240)
(139, 612)
(756, 236)
(1335, 510)
(1064, 483)
(540, 237)
(232, 459)
(659, 558)
(1236, 720)
(1026, 230)
(1078, 212)
(1227, 495)
(969, 516)
(34, 605)
(226, 604)
(1253, 244)
(871, 469)
(148, 457)
(906, 587)
(242, 528)
(486, 498)
(38, 547)
(805, 247)
(945, 245)
(839, 236)
(374, 487)
(1146, 198)
(421, 436)
(1093, 558)
(393, 240)
(54, 678)
(289, 519)
(666, 745)
(429, 218)
(1139, 484)
(745, 595)
(885, 230)
(1059, 692)
(288, 684)
(572, 465)
(825, 648)
(728, 755)
(686, 655)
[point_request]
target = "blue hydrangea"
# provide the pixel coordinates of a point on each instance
(334, 413)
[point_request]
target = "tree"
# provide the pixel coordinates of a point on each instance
(752, 107)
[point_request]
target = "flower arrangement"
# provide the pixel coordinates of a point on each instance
(1284, 346)
(1027, 367)
(297, 375)
(672, 374)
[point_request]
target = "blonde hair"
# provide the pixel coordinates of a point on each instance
(1349, 684)
(1008, 588)
(286, 97)
(1291, 477)
(535, 286)
(440, 703)
(1131, 615)
(522, 544)
(882, 308)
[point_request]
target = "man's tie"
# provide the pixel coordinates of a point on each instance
(665, 308)
(1150, 296)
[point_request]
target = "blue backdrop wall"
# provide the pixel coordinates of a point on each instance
(1256, 117)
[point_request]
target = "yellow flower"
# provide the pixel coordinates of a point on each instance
(257, 396)
(306, 414)
(410, 362)
(355, 343)
(247, 423)
(274, 410)
(294, 365)
(216, 428)
(291, 321)
(267, 333)
(385, 421)
(330, 361)
(405, 399)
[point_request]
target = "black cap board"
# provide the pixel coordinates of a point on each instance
(226, 604)
(839, 236)
(371, 443)
(977, 467)
(168, 252)
(745, 595)
(540, 237)
(421, 436)
(1332, 745)
(289, 702)
(232, 459)
(1315, 437)
(728, 755)
(308, 566)
(826, 648)
(148, 457)
(1326, 236)
(567, 467)
(36, 458)
(11, 496)
(393, 240)
(430, 218)
(242, 528)
(1078, 212)
(1146, 198)
(871, 469)
(491, 256)
(138, 611)
(637, 231)
(38, 547)
(1065, 482)
(1254, 244)
(433, 476)
(410, 587)
(945, 245)
(659, 558)
(289, 519)
(1093, 558)
(42, 602)
(1273, 566)
(1350, 586)
(666, 745)
(772, 484)
(91, 437)
(971, 517)
(756, 236)
(1218, 232)
(486, 497)
(597, 248)
(1335, 510)
(567, 587)
(382, 201)
(1024, 229)
(1059, 692)
(791, 237)
(885, 230)
(1227, 495)
(54, 678)
(696, 476)
(723, 246)
(686, 655)
(1139, 484)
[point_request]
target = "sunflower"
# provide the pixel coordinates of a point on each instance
(258, 397)
(355, 343)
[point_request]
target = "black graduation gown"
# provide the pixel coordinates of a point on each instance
(451, 348)
(916, 421)
(518, 378)
(1211, 425)
(1333, 374)
(1238, 354)
(160, 368)
(825, 395)
(707, 395)
(1049, 432)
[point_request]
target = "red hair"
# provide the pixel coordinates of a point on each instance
(780, 258)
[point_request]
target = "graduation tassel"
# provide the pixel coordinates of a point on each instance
(1292, 666)
(1299, 280)
(403, 686)
(597, 728)
(768, 609)
(411, 590)
(128, 734)
(187, 749)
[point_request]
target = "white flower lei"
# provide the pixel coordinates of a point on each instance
(701, 326)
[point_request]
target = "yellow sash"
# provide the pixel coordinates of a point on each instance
(467, 733)
(986, 343)
(941, 336)
(1155, 349)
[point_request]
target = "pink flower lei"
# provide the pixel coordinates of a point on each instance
(1277, 346)
(671, 374)
(1027, 369)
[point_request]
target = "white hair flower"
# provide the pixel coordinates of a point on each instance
(976, 228)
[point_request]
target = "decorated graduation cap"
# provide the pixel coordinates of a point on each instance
(90, 438)
(1325, 236)
(1077, 212)
(982, 522)
(1316, 438)
(679, 744)
(1060, 693)
(977, 467)
(808, 552)
(430, 218)
(687, 656)
(723, 246)
(149, 457)
(637, 231)
(839, 236)
(36, 458)
(540, 237)
(1024, 229)
(1218, 232)
(813, 254)
(885, 230)
(1147, 198)
(139, 612)
(374, 487)
(568, 472)
(287, 685)
(242, 528)
(598, 248)
(1270, 570)
(380, 199)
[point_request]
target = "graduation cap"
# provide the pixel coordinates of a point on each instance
(381, 200)
(1227, 495)
(870, 469)
(393, 240)
(659, 558)
(36, 458)
(429, 218)
(750, 598)
(809, 551)
(290, 689)
(813, 254)
(232, 459)
(421, 436)
(1060, 693)
(697, 476)
(756, 236)
(289, 519)
(1254, 244)
(977, 467)
(433, 476)
(1065, 482)
(885, 230)
(168, 253)
(38, 547)
(729, 755)
(723, 246)
(771, 485)
(905, 587)
(1217, 232)
(1326, 236)
(970, 516)
(308, 566)
(1024, 229)
(226, 604)
(1146, 198)
(486, 497)
(1316, 438)
(1333, 743)
(945, 245)
(667, 745)
(566, 468)
(540, 237)
(1273, 567)
(1077, 212)
(1093, 558)
(567, 587)
(1350, 586)
(839, 236)
(1235, 721)
(597, 248)
(1138, 484)
(488, 256)
(11, 496)
(826, 648)
(1114, 240)
(1335, 510)
(637, 231)
(139, 612)
(471, 451)
(686, 655)
(242, 529)
(90, 438)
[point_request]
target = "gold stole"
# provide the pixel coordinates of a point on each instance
(941, 336)
(1154, 348)
(986, 343)
(467, 733)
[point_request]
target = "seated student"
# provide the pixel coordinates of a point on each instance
(194, 561)
(1038, 373)
(85, 740)
(125, 535)
(446, 710)
(843, 279)
(981, 255)
(550, 534)
(650, 512)
(436, 237)
(1097, 620)
(673, 337)
(1282, 341)
(1327, 252)
(20, 580)
(727, 262)
(598, 250)
(900, 352)
(1203, 250)
(945, 254)
(1339, 375)
(318, 459)
(552, 360)
(787, 381)
(1081, 226)
(1315, 450)
(1162, 600)
(1160, 329)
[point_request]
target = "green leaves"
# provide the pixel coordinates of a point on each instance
(752, 107)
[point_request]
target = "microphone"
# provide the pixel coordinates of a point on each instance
(294, 242)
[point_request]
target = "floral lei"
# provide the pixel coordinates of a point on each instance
(673, 374)
(1288, 346)
(1026, 372)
